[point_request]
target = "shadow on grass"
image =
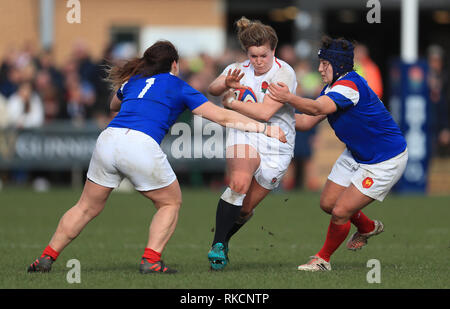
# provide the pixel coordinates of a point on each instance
(119, 267)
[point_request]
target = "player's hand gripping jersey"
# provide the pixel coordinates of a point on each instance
(362, 122)
(152, 104)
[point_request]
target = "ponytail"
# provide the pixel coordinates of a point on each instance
(157, 59)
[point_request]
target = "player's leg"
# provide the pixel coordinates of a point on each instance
(330, 194)
(339, 179)
(290, 180)
(141, 159)
(384, 176)
(328, 198)
(242, 162)
(90, 204)
(266, 178)
(102, 177)
(349, 202)
(337, 184)
(254, 196)
(167, 201)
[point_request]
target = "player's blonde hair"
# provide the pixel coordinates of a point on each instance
(255, 33)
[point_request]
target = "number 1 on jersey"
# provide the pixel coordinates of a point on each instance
(149, 82)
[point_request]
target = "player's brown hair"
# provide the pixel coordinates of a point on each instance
(157, 59)
(254, 33)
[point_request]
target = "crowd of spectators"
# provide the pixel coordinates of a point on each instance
(34, 91)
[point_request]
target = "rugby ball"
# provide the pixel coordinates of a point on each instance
(245, 95)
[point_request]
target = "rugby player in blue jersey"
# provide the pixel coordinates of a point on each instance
(149, 99)
(375, 156)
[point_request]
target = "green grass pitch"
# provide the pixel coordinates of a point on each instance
(414, 250)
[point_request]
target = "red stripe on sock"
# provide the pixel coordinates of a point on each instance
(51, 252)
(151, 255)
(335, 236)
(362, 222)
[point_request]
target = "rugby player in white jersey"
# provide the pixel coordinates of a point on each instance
(255, 163)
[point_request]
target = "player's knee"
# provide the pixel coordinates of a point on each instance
(175, 200)
(340, 214)
(177, 203)
(174, 203)
(239, 185)
(327, 205)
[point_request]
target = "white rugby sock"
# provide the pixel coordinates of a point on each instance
(232, 197)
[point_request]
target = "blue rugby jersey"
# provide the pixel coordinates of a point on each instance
(152, 104)
(362, 122)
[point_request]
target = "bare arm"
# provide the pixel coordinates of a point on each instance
(217, 87)
(305, 122)
(115, 104)
(225, 82)
(228, 118)
(261, 111)
(323, 105)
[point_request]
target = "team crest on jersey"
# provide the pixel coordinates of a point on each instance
(264, 86)
(274, 179)
(367, 182)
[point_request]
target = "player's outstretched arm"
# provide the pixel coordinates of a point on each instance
(305, 122)
(231, 119)
(323, 105)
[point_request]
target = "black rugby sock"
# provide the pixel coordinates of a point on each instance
(236, 227)
(226, 217)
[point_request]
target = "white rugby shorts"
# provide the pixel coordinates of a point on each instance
(122, 152)
(373, 180)
(275, 156)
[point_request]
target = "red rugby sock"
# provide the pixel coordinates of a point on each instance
(151, 255)
(335, 236)
(362, 222)
(50, 252)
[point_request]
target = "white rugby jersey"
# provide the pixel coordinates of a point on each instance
(280, 72)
